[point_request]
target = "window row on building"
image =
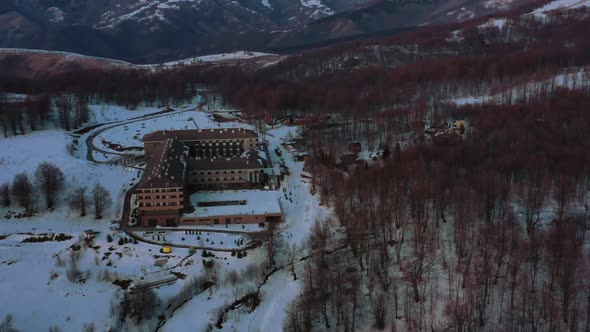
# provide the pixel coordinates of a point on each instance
(159, 190)
(217, 172)
(152, 204)
(159, 197)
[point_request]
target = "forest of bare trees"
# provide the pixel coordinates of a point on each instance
(487, 233)
(22, 114)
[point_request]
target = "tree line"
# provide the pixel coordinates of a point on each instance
(49, 181)
(34, 112)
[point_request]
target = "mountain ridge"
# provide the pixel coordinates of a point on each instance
(154, 31)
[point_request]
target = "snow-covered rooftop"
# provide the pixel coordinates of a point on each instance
(256, 202)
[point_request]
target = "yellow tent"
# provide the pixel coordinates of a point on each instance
(166, 250)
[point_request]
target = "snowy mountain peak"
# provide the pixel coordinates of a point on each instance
(562, 5)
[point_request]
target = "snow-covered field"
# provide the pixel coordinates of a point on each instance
(36, 302)
(238, 55)
(24, 153)
(202, 239)
(108, 113)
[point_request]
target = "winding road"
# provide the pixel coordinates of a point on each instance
(91, 147)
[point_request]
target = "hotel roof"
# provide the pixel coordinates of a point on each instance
(250, 202)
(200, 134)
(165, 169)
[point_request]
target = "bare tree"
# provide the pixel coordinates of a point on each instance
(6, 324)
(292, 256)
(79, 200)
(531, 195)
(50, 179)
(379, 306)
(22, 189)
(5, 194)
(419, 263)
(139, 306)
(564, 192)
(101, 199)
(271, 245)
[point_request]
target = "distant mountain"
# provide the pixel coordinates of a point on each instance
(151, 31)
(389, 16)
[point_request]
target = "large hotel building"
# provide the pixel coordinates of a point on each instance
(180, 162)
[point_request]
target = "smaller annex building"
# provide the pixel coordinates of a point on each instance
(233, 207)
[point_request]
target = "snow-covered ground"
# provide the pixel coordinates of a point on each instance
(246, 228)
(319, 9)
(573, 78)
(36, 302)
(237, 55)
(107, 113)
(202, 239)
(562, 4)
(24, 153)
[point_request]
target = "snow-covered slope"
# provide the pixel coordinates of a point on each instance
(238, 55)
(27, 63)
(562, 4)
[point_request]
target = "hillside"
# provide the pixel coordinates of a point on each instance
(159, 31)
